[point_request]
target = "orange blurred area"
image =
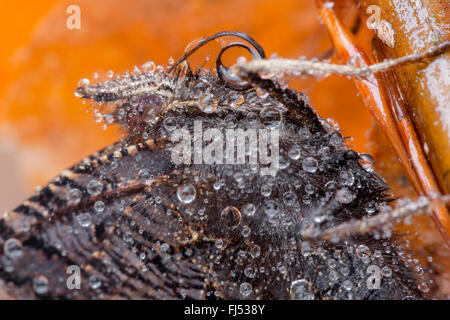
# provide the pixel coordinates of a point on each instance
(44, 128)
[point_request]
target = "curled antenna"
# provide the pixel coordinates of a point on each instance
(230, 80)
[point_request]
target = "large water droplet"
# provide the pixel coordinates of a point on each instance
(363, 251)
(310, 164)
(186, 193)
(366, 162)
(94, 187)
(230, 217)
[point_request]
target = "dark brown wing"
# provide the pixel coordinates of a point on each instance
(139, 226)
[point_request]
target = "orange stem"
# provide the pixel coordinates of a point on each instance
(400, 132)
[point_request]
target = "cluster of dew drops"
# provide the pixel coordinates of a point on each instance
(300, 289)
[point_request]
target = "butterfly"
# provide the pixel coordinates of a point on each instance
(171, 211)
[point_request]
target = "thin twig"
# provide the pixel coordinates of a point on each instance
(368, 224)
(299, 67)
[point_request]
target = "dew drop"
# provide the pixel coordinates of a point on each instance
(347, 285)
(99, 206)
(270, 208)
(219, 243)
(363, 251)
(302, 290)
(230, 217)
(255, 251)
(245, 289)
(149, 67)
(170, 123)
(295, 152)
(83, 82)
(206, 103)
(94, 187)
(344, 195)
(336, 139)
(310, 164)
(249, 272)
(13, 249)
(289, 198)
(249, 209)
(40, 285)
(186, 193)
(84, 220)
(346, 178)
(94, 282)
(271, 118)
(144, 176)
(245, 232)
(386, 272)
(366, 162)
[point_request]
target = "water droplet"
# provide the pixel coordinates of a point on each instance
(170, 123)
(333, 275)
(79, 92)
(289, 198)
(13, 249)
(249, 272)
(245, 289)
(262, 93)
(302, 290)
(344, 195)
(40, 285)
(363, 251)
(94, 187)
(207, 103)
(266, 190)
(219, 243)
(231, 217)
(309, 189)
(94, 282)
(386, 272)
(366, 162)
(83, 82)
(271, 118)
(249, 209)
(255, 251)
(186, 193)
(246, 231)
(84, 220)
(370, 207)
(295, 152)
(310, 165)
(330, 187)
(346, 178)
(151, 116)
(144, 176)
(270, 208)
(347, 285)
(149, 67)
(99, 206)
(336, 139)
(304, 133)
